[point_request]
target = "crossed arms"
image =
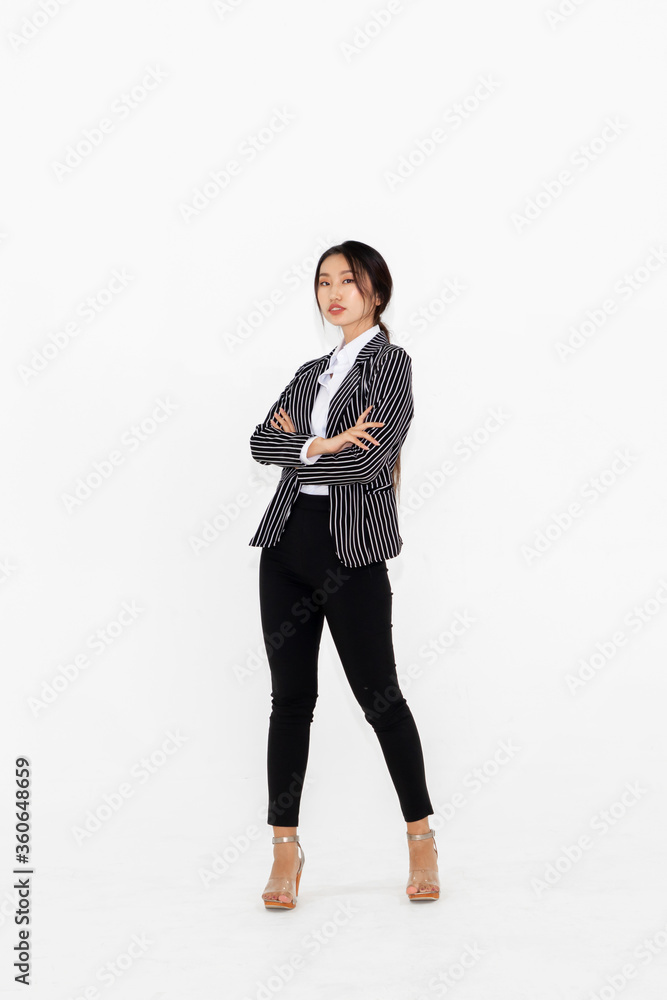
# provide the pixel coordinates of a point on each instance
(391, 394)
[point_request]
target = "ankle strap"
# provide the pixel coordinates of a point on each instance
(421, 836)
(285, 840)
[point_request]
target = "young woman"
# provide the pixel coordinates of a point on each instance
(337, 430)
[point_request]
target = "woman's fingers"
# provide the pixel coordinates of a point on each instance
(361, 418)
(281, 420)
(365, 435)
(284, 419)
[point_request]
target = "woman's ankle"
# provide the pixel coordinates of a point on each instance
(284, 831)
(419, 826)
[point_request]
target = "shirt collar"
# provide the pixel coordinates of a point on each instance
(346, 354)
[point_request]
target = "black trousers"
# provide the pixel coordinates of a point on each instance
(302, 582)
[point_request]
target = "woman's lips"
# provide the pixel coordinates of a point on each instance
(336, 309)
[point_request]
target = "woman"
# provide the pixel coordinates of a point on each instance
(326, 535)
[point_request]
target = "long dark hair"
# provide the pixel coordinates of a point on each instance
(373, 279)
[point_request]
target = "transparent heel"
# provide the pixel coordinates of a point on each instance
(277, 887)
(425, 880)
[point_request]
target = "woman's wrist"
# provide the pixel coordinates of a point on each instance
(316, 447)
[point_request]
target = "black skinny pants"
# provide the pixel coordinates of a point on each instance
(301, 582)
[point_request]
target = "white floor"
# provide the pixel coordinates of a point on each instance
(134, 896)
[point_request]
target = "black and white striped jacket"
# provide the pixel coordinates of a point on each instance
(364, 516)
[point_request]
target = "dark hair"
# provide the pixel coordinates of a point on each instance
(373, 279)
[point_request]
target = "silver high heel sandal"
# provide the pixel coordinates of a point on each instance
(278, 886)
(425, 880)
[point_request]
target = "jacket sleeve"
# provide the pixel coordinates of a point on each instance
(271, 446)
(391, 394)
(304, 459)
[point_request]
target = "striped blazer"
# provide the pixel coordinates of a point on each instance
(363, 516)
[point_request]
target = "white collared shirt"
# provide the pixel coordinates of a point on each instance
(340, 363)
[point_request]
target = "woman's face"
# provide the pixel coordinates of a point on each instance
(338, 289)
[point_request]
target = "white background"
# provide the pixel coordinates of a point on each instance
(190, 661)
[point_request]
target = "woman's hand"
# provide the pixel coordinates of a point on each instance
(352, 436)
(331, 446)
(285, 420)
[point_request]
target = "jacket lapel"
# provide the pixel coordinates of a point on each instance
(309, 385)
(344, 393)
